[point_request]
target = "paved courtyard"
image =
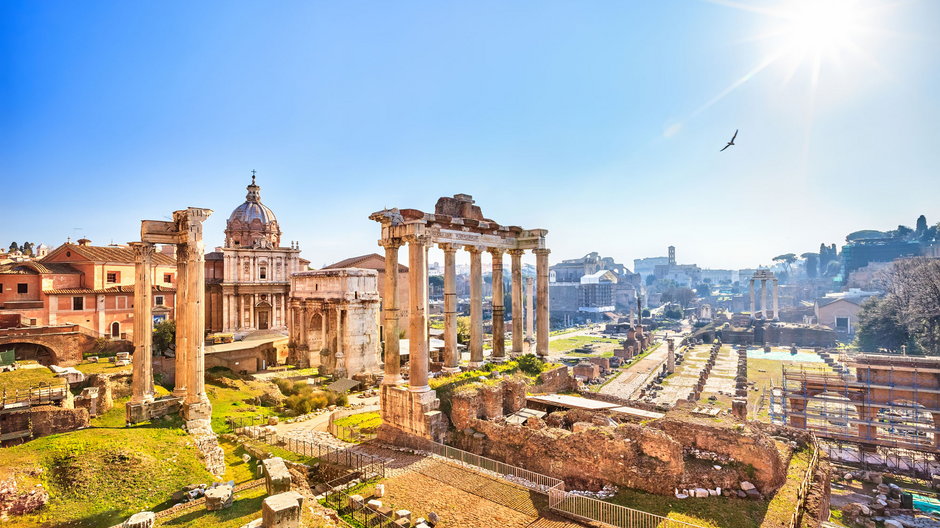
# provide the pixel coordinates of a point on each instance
(720, 381)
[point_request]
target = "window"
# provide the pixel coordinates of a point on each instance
(168, 278)
(158, 300)
(78, 303)
(263, 272)
(22, 288)
(842, 323)
(1, 287)
(112, 277)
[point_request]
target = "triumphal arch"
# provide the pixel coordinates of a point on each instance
(456, 224)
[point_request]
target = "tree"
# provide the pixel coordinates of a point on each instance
(811, 264)
(463, 330)
(786, 259)
(27, 248)
(650, 279)
(164, 336)
(879, 326)
(703, 290)
(921, 226)
(910, 311)
(13, 247)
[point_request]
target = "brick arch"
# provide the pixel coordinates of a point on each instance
(35, 350)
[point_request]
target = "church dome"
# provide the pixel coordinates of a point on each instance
(252, 224)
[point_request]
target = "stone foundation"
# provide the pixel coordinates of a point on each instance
(557, 379)
(208, 444)
(147, 411)
(414, 413)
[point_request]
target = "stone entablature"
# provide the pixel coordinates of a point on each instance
(334, 321)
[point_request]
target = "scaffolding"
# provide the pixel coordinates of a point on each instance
(877, 411)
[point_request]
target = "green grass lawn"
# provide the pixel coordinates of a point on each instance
(101, 367)
(364, 420)
(24, 379)
(570, 343)
(235, 398)
(245, 507)
(102, 475)
(711, 512)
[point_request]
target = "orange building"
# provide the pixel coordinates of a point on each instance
(91, 286)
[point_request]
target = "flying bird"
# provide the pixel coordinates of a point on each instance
(730, 142)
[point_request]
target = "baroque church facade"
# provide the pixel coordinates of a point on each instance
(248, 279)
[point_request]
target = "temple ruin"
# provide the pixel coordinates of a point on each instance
(455, 224)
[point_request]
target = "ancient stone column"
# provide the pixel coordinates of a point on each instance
(182, 322)
(542, 319)
(390, 310)
(776, 296)
(340, 367)
(451, 356)
(476, 307)
(142, 377)
(499, 321)
(529, 313)
(763, 298)
(196, 406)
(417, 318)
(753, 304)
(671, 356)
(517, 311)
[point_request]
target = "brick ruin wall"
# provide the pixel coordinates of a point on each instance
(557, 379)
(656, 457)
(47, 420)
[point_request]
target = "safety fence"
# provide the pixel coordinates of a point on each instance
(366, 465)
(803, 490)
(560, 501)
(176, 508)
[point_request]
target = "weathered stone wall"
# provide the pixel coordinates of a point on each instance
(47, 420)
(492, 400)
(514, 392)
(557, 379)
(747, 447)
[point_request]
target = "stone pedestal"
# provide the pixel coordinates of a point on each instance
(276, 475)
(200, 410)
(282, 510)
(147, 411)
(219, 498)
(413, 413)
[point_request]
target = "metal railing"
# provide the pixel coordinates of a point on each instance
(353, 435)
(368, 466)
(35, 395)
(560, 501)
(803, 490)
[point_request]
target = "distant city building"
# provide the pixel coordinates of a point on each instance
(839, 311)
(90, 286)
(592, 284)
(248, 280)
(860, 253)
(646, 266)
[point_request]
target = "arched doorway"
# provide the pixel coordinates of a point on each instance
(263, 315)
(115, 330)
(33, 352)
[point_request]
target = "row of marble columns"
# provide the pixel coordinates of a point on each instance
(417, 320)
(763, 298)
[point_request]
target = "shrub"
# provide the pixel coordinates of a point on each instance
(531, 365)
(307, 399)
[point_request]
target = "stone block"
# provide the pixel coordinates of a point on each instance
(700, 493)
(218, 498)
(402, 514)
(374, 504)
(282, 510)
(379, 490)
(578, 427)
(356, 502)
(276, 475)
(747, 486)
(140, 520)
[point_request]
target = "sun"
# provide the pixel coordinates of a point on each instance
(821, 27)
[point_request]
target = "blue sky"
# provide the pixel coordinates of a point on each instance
(600, 121)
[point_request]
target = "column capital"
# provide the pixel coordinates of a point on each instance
(393, 243)
(496, 252)
(142, 250)
(516, 253)
(448, 247)
(542, 251)
(473, 249)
